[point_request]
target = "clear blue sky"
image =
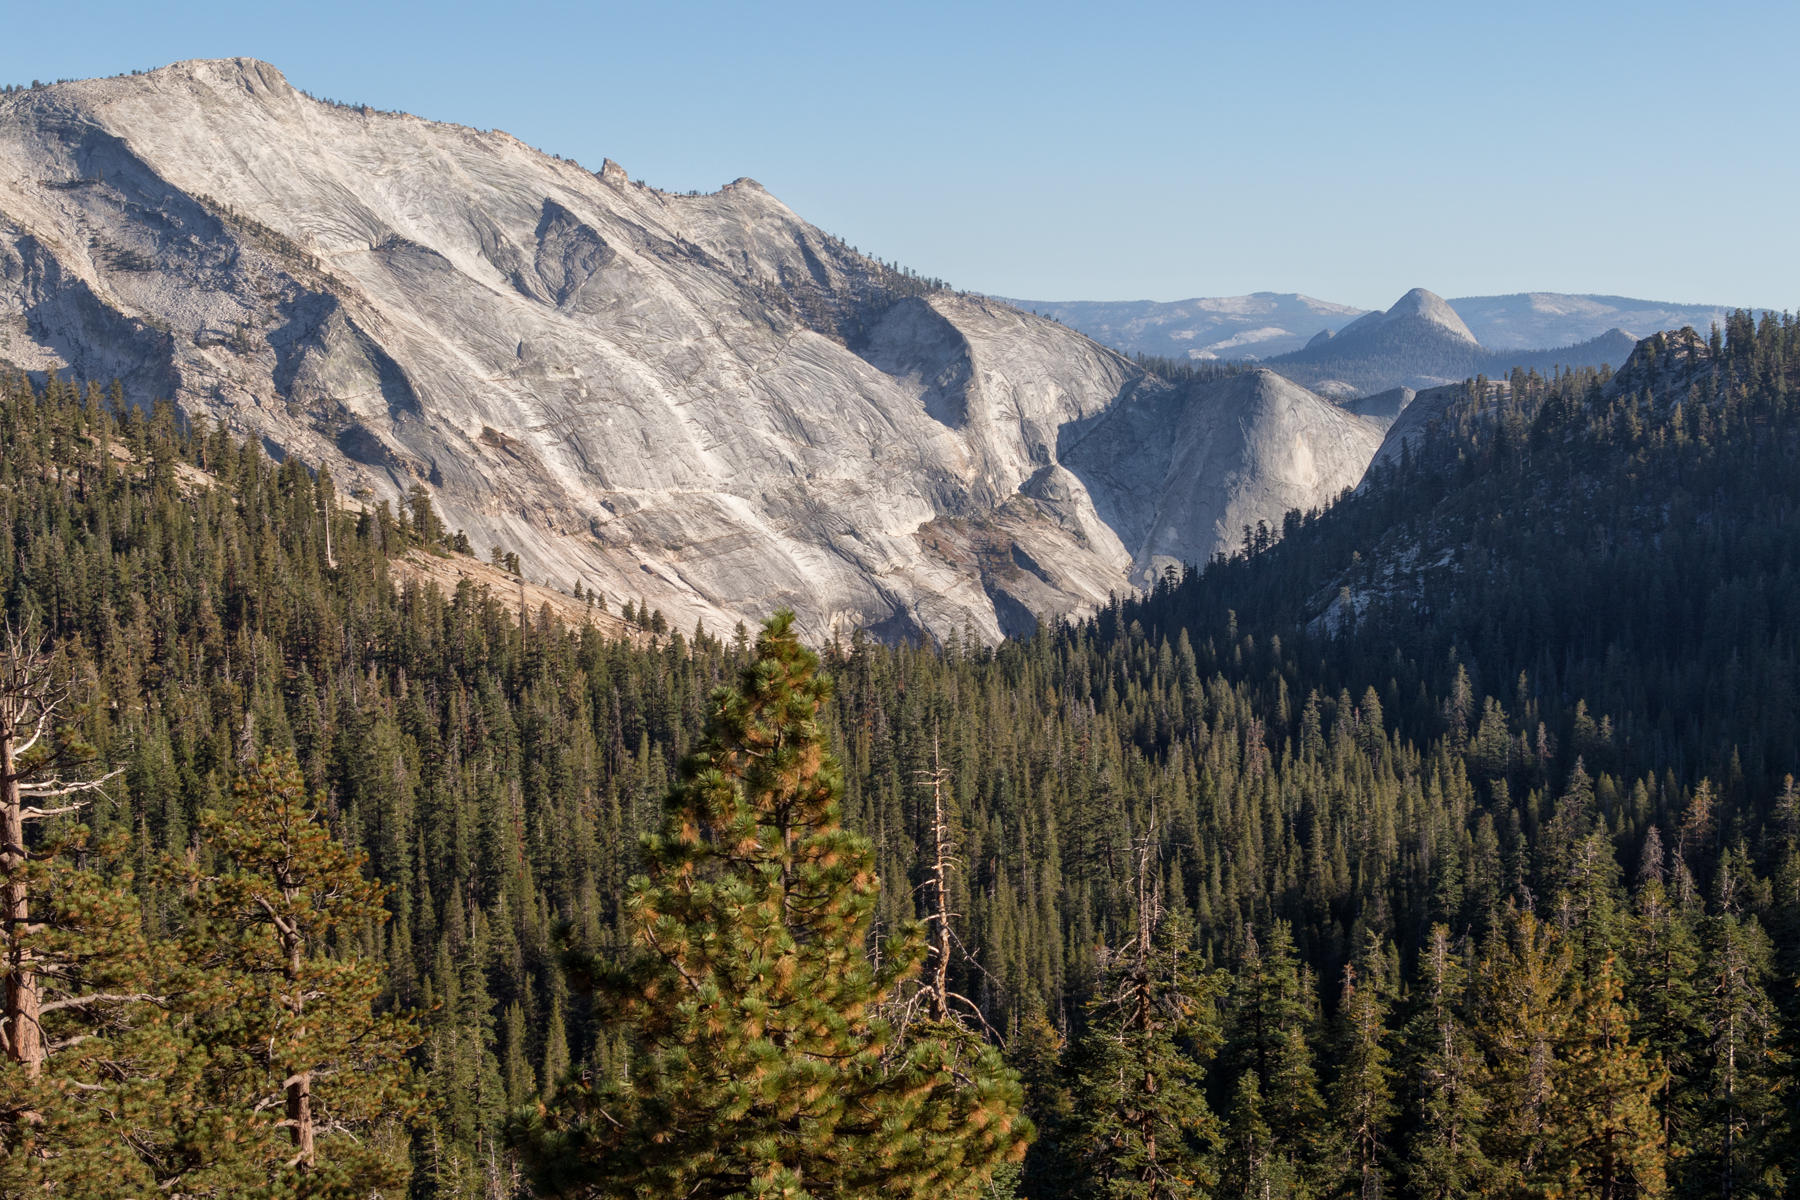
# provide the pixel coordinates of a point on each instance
(1159, 150)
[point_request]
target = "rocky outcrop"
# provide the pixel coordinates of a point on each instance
(1383, 407)
(1181, 474)
(698, 401)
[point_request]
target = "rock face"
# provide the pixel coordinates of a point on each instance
(1413, 423)
(1383, 407)
(698, 401)
(1180, 475)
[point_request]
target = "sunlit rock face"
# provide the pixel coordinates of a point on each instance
(701, 402)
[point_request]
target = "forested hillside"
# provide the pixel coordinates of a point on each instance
(1440, 844)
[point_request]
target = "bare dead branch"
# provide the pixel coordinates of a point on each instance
(102, 998)
(50, 788)
(43, 723)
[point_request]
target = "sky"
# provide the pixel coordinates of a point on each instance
(1052, 151)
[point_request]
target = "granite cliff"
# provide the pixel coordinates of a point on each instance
(700, 401)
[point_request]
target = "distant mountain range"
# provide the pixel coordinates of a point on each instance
(1421, 342)
(1264, 325)
(1261, 325)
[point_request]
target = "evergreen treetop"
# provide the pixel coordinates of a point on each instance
(765, 1063)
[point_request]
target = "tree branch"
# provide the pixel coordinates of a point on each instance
(58, 787)
(102, 998)
(281, 923)
(38, 814)
(44, 715)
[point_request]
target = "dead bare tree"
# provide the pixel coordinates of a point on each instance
(939, 1002)
(943, 851)
(38, 780)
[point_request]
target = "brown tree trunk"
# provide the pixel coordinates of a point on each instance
(20, 1022)
(299, 1080)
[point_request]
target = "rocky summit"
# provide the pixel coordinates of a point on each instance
(1421, 342)
(698, 401)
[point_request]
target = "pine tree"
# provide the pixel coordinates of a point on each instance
(1036, 1049)
(36, 752)
(1363, 1095)
(94, 1122)
(462, 1073)
(1145, 1131)
(1270, 1018)
(1582, 873)
(1444, 1077)
(1605, 1138)
(1253, 1167)
(87, 1051)
(763, 1064)
(1525, 1021)
(297, 1066)
(1743, 1119)
(1663, 955)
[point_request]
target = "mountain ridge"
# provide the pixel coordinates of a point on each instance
(1419, 343)
(701, 402)
(1262, 325)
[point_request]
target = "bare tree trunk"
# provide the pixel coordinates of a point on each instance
(940, 878)
(31, 789)
(1728, 1171)
(20, 1024)
(299, 1080)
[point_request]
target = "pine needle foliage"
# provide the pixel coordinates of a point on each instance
(297, 1074)
(1145, 1128)
(93, 1125)
(764, 1063)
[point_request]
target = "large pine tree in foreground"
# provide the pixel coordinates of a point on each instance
(83, 1045)
(301, 1086)
(766, 1060)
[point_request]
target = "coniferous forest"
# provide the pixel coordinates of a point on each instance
(1442, 843)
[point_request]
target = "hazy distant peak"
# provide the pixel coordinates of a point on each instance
(1260, 325)
(1422, 341)
(1527, 320)
(1434, 308)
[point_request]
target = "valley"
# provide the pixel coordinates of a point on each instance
(516, 684)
